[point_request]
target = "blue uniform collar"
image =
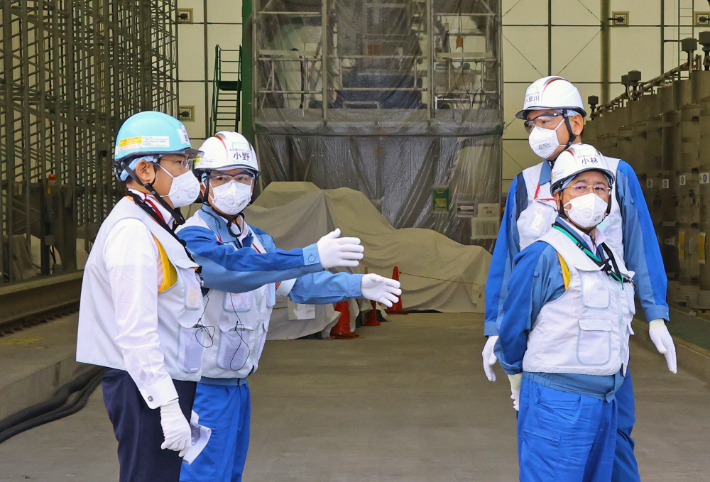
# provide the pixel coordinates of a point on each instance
(545, 173)
(219, 225)
(574, 233)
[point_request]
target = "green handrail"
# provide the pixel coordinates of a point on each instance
(226, 79)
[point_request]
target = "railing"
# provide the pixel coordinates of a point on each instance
(226, 89)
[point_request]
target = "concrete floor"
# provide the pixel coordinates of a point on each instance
(406, 402)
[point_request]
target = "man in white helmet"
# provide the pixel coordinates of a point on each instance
(565, 331)
(243, 271)
(554, 119)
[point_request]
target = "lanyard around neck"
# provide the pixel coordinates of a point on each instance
(614, 272)
(158, 218)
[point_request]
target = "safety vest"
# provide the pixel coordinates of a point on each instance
(586, 330)
(541, 211)
(237, 323)
(180, 305)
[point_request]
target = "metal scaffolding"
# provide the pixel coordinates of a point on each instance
(399, 99)
(72, 71)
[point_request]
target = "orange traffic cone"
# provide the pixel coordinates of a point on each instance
(371, 316)
(342, 327)
(397, 308)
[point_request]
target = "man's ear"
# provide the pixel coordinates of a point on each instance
(558, 200)
(145, 171)
(577, 124)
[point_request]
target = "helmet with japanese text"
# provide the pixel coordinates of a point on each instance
(224, 151)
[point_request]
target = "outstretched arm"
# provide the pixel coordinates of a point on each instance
(226, 268)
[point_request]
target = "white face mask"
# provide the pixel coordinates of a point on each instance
(587, 211)
(543, 142)
(231, 198)
(184, 189)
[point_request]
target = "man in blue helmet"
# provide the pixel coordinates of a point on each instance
(141, 301)
(554, 119)
(244, 271)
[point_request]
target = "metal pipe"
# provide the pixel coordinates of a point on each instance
(605, 11)
(549, 37)
(648, 86)
(43, 70)
(431, 107)
(324, 57)
(26, 132)
(663, 36)
(9, 144)
(68, 223)
(207, 86)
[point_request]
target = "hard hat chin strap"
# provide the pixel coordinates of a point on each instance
(177, 215)
(572, 137)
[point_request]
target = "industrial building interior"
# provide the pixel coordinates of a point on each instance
(393, 121)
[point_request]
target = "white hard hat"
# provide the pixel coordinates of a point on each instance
(576, 159)
(552, 93)
(227, 150)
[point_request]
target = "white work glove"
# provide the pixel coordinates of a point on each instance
(380, 289)
(515, 382)
(490, 358)
(335, 251)
(178, 436)
(661, 337)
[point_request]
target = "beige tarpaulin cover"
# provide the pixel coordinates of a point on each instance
(436, 272)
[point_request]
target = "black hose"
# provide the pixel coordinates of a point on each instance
(55, 408)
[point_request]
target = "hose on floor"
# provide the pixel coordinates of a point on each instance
(61, 405)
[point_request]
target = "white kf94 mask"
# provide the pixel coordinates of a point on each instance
(231, 198)
(543, 142)
(587, 211)
(184, 189)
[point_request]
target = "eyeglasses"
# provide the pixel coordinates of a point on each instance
(543, 121)
(221, 179)
(185, 163)
(599, 189)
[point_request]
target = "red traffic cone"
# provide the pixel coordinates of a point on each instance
(397, 308)
(342, 327)
(371, 316)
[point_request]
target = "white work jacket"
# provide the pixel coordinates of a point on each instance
(179, 310)
(586, 330)
(237, 322)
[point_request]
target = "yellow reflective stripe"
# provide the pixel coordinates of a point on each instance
(169, 273)
(701, 252)
(565, 271)
(681, 245)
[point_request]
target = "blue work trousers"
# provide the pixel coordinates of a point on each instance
(565, 437)
(625, 467)
(226, 409)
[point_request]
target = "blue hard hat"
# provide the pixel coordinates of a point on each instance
(149, 134)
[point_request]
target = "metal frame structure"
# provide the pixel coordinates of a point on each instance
(486, 88)
(72, 71)
(350, 93)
